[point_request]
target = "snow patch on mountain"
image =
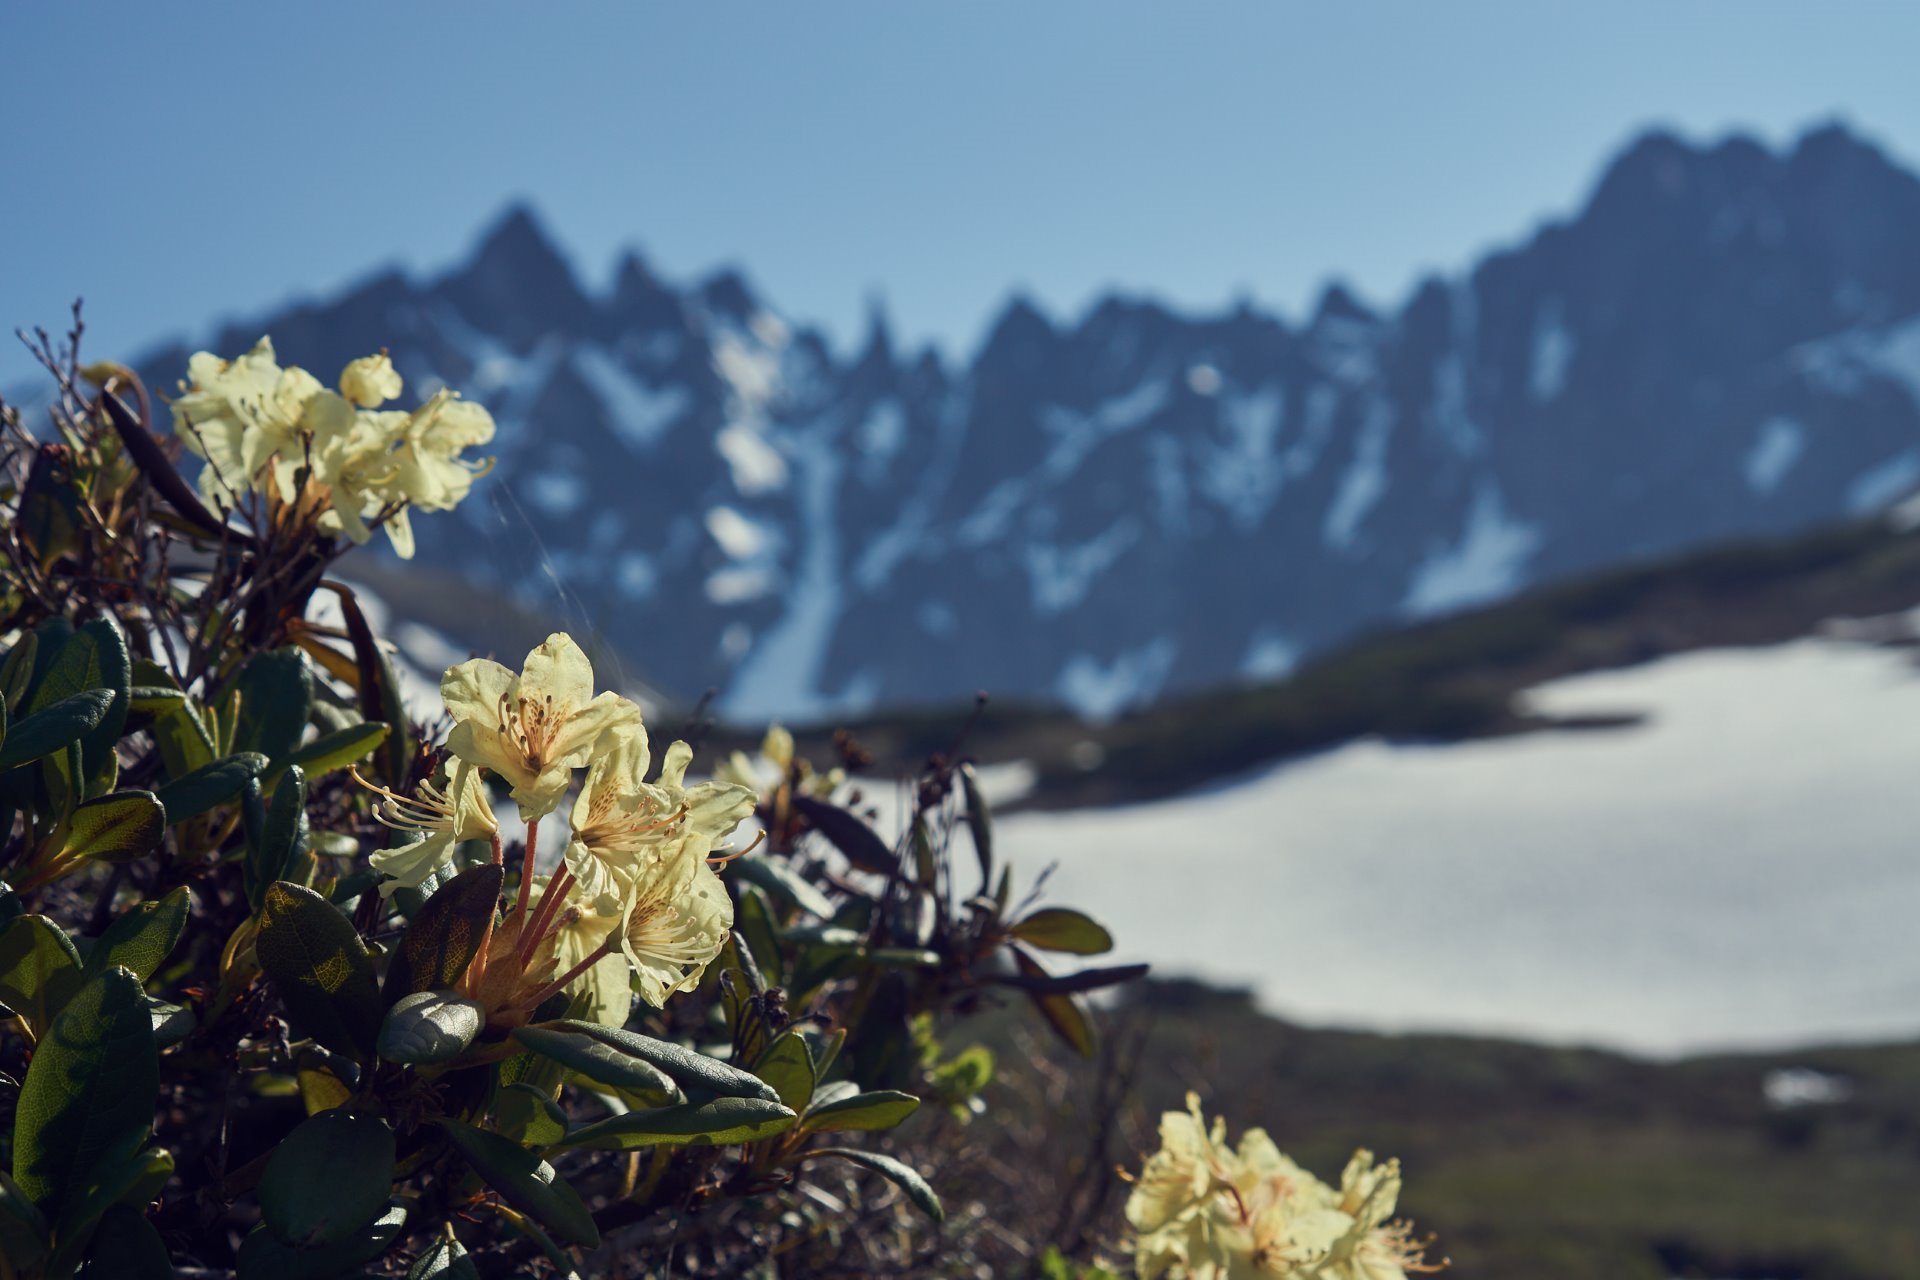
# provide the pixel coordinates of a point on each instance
(1487, 561)
(1365, 481)
(1062, 576)
(1243, 473)
(1885, 483)
(639, 414)
(1553, 348)
(1098, 691)
(1270, 656)
(1777, 446)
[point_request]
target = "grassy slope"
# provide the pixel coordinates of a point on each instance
(1533, 1162)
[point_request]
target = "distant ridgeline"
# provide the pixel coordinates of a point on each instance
(1724, 341)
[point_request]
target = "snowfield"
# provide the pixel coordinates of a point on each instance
(1741, 870)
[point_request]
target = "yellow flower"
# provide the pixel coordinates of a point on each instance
(533, 729)
(621, 823)
(444, 815)
(238, 415)
(1201, 1211)
(432, 475)
(370, 381)
(676, 919)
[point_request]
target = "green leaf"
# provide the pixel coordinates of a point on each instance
(720, 1122)
(979, 823)
(127, 1247)
(332, 751)
(528, 1116)
(379, 691)
(904, 1176)
(595, 1059)
(23, 1228)
(141, 938)
(447, 933)
(688, 1069)
(90, 1092)
(39, 970)
(867, 1112)
(185, 745)
(264, 1257)
(154, 700)
(122, 827)
(328, 1179)
(443, 1259)
(777, 877)
(430, 1026)
(133, 1182)
(276, 694)
(92, 658)
(755, 929)
(1061, 1012)
(50, 729)
(208, 786)
(1062, 929)
(171, 1023)
(787, 1065)
(322, 971)
(852, 837)
(283, 835)
(16, 672)
(524, 1181)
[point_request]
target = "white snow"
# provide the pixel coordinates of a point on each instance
(634, 575)
(641, 415)
(737, 584)
(1843, 363)
(1269, 657)
(1738, 871)
(756, 465)
(1553, 348)
(880, 436)
(1884, 483)
(740, 537)
(1346, 347)
(1243, 472)
(1786, 1088)
(1365, 481)
(1099, 691)
(1203, 380)
(556, 493)
(1489, 560)
(1061, 577)
(1777, 446)
(1304, 454)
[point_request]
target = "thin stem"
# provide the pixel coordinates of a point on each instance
(526, 873)
(499, 852)
(551, 898)
(560, 984)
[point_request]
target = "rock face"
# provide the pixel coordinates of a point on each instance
(1724, 341)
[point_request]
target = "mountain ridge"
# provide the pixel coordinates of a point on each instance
(1143, 500)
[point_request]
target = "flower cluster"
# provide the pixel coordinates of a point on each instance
(1202, 1210)
(635, 903)
(334, 457)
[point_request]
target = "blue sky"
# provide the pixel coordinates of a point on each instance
(217, 159)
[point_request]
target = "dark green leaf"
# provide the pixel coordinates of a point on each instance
(328, 1179)
(127, 1247)
(720, 1122)
(688, 1069)
(881, 1109)
(336, 750)
(121, 827)
(283, 835)
(276, 693)
(1041, 983)
(16, 672)
(171, 1023)
(904, 1176)
(141, 938)
(524, 1181)
(443, 1259)
(595, 1059)
(777, 877)
(379, 691)
(23, 1228)
(787, 1065)
(852, 837)
(979, 823)
(528, 1116)
(133, 1182)
(147, 454)
(154, 700)
(52, 728)
(322, 971)
(92, 658)
(1061, 1012)
(446, 934)
(185, 745)
(264, 1257)
(39, 970)
(430, 1026)
(208, 786)
(90, 1092)
(1061, 929)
